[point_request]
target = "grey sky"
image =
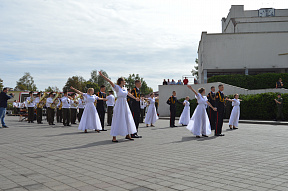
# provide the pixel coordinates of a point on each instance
(54, 40)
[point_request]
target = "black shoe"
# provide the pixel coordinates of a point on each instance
(108, 125)
(235, 128)
(175, 126)
(103, 130)
(115, 141)
(204, 136)
(198, 137)
(5, 126)
(135, 136)
(39, 123)
(32, 121)
(68, 125)
(52, 124)
(219, 135)
(29, 121)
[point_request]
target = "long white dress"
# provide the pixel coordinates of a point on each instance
(235, 114)
(122, 120)
(199, 122)
(151, 116)
(185, 115)
(90, 118)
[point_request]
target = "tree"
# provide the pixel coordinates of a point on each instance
(130, 83)
(77, 82)
(26, 82)
(52, 89)
(1, 84)
(195, 70)
(90, 84)
(97, 79)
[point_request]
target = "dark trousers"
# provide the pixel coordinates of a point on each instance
(81, 110)
(59, 115)
(30, 113)
(212, 118)
(136, 117)
(73, 115)
(101, 113)
(66, 116)
(50, 115)
(219, 120)
(142, 114)
(172, 116)
(110, 114)
(39, 115)
(280, 115)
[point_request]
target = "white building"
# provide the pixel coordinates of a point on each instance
(251, 42)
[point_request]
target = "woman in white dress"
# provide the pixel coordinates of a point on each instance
(122, 121)
(90, 118)
(235, 114)
(199, 122)
(185, 115)
(151, 116)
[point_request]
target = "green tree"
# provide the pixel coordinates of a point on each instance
(52, 89)
(26, 82)
(90, 84)
(77, 82)
(195, 70)
(1, 84)
(130, 83)
(96, 78)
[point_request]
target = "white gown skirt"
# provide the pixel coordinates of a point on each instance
(199, 122)
(151, 115)
(122, 120)
(234, 117)
(90, 118)
(185, 116)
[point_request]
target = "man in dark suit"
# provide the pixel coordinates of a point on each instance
(211, 113)
(172, 102)
(101, 105)
(219, 104)
(135, 106)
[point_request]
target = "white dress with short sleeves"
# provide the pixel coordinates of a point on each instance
(151, 116)
(199, 122)
(185, 115)
(122, 120)
(90, 118)
(235, 114)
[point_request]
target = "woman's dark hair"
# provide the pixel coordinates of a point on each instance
(235, 95)
(200, 90)
(119, 81)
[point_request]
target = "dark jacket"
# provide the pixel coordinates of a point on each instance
(100, 103)
(172, 102)
(220, 100)
(212, 98)
(135, 104)
(3, 99)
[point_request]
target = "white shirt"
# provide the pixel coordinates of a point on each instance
(65, 102)
(110, 100)
(31, 104)
(15, 104)
(72, 104)
(143, 104)
(81, 104)
(49, 101)
(37, 100)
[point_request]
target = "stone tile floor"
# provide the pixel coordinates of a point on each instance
(43, 157)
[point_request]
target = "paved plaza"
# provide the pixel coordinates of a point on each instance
(43, 157)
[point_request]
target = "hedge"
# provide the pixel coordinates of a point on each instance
(252, 82)
(257, 107)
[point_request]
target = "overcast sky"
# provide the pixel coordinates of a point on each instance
(157, 39)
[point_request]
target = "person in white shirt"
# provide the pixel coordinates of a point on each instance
(73, 108)
(30, 104)
(59, 111)
(81, 107)
(15, 107)
(39, 110)
(143, 105)
(66, 109)
(50, 111)
(110, 104)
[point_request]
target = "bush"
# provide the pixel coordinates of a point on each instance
(259, 106)
(252, 82)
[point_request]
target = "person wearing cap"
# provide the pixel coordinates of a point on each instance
(50, 111)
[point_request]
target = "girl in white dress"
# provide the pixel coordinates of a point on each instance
(199, 122)
(151, 116)
(185, 115)
(122, 120)
(235, 114)
(90, 118)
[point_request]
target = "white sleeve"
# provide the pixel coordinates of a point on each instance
(96, 97)
(116, 88)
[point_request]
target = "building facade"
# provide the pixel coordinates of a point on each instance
(251, 42)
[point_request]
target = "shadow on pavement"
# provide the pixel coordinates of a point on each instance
(193, 138)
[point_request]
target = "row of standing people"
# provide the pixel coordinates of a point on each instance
(202, 123)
